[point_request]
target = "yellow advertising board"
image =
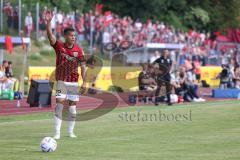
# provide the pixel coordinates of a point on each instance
(209, 74)
(124, 77)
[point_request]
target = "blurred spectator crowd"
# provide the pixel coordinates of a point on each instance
(100, 29)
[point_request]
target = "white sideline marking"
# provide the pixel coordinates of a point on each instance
(17, 122)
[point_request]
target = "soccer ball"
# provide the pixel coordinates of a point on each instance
(48, 144)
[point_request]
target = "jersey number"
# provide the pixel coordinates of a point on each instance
(58, 92)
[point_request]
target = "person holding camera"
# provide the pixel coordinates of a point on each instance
(224, 77)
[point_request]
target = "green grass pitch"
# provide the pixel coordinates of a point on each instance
(197, 131)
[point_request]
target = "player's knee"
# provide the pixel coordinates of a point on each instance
(58, 110)
(72, 111)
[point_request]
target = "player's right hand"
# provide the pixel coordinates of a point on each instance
(49, 16)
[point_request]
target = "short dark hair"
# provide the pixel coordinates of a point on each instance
(9, 62)
(69, 29)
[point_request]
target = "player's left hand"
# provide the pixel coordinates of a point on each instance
(83, 88)
(83, 85)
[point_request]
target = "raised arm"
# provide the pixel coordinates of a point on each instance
(51, 37)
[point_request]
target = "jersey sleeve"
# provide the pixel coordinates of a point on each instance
(81, 56)
(57, 46)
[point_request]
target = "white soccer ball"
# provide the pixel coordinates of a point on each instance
(48, 144)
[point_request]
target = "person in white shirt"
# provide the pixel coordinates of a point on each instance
(5, 83)
(191, 79)
(59, 17)
(2, 79)
(106, 37)
(138, 25)
(155, 56)
(28, 24)
(54, 23)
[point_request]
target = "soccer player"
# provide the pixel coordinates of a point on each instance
(68, 57)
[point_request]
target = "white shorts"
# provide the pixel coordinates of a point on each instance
(67, 90)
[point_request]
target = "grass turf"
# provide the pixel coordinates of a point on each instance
(211, 132)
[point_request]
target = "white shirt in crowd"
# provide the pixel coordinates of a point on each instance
(2, 74)
(106, 37)
(59, 18)
(162, 26)
(173, 56)
(138, 25)
(225, 59)
(154, 58)
(174, 78)
(191, 77)
(28, 21)
(7, 84)
(53, 22)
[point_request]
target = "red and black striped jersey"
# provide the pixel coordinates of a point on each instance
(67, 61)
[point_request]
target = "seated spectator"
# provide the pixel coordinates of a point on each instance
(190, 89)
(9, 73)
(8, 70)
(191, 82)
(176, 84)
(145, 80)
(224, 77)
(236, 77)
(5, 82)
(3, 78)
